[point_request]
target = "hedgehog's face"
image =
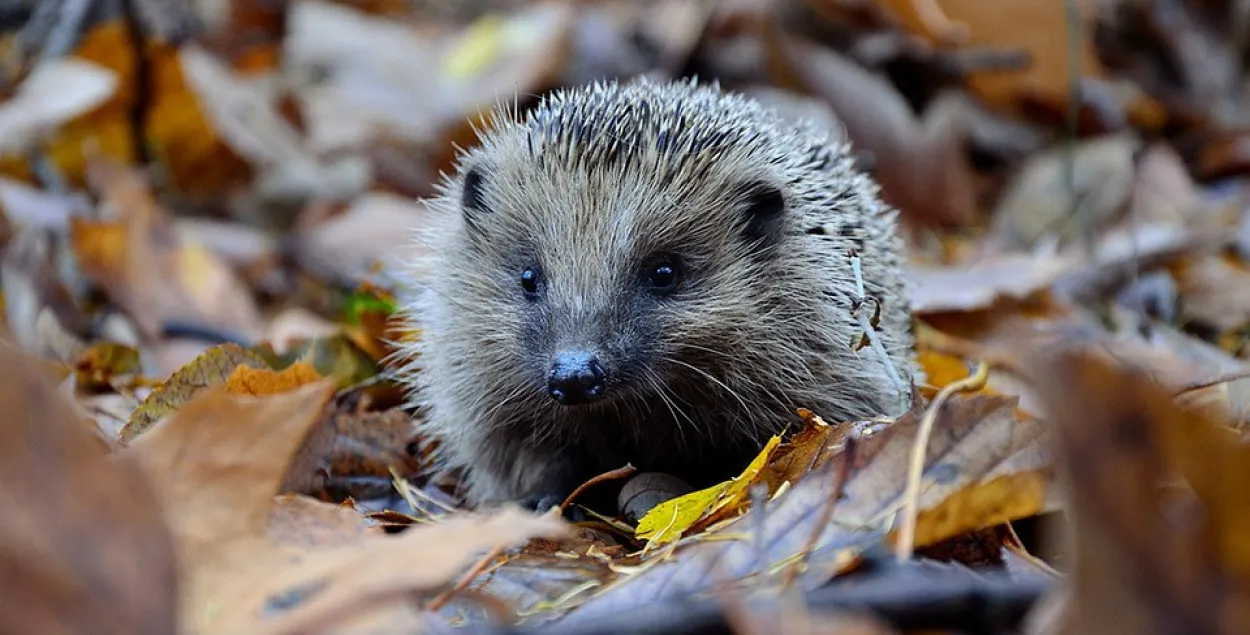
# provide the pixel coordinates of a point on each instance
(598, 288)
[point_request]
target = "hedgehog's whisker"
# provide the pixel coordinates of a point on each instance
(712, 379)
(657, 384)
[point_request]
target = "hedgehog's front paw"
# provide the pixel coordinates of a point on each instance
(542, 502)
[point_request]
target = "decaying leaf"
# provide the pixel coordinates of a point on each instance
(211, 368)
(83, 546)
(219, 461)
(1149, 551)
(102, 364)
(54, 92)
(247, 380)
(139, 260)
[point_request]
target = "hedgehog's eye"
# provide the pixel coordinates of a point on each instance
(663, 274)
(529, 282)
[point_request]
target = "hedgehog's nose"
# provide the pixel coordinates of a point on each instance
(576, 377)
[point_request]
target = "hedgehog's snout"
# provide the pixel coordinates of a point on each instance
(576, 377)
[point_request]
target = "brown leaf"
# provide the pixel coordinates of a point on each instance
(219, 459)
(83, 546)
(1216, 291)
(146, 269)
(1038, 28)
(1037, 202)
(920, 164)
(219, 462)
(1147, 555)
(980, 284)
(305, 522)
(354, 453)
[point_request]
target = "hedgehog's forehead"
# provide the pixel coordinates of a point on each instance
(615, 130)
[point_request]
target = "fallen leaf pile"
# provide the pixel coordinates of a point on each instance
(204, 205)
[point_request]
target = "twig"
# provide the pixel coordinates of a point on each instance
(841, 475)
(1213, 381)
(874, 342)
(442, 598)
(620, 472)
(911, 496)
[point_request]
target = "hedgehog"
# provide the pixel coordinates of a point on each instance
(655, 273)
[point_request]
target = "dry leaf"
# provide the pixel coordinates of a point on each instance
(1121, 440)
(219, 462)
(55, 92)
(976, 440)
(244, 115)
(211, 368)
(980, 284)
(139, 260)
(246, 380)
(83, 546)
(1038, 201)
(920, 164)
(1216, 291)
(1039, 28)
(667, 521)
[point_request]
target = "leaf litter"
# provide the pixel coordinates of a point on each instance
(200, 237)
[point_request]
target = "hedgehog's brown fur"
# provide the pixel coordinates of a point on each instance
(587, 186)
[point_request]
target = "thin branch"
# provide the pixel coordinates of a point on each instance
(905, 544)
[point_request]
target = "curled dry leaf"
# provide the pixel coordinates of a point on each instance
(921, 164)
(244, 115)
(83, 547)
(1038, 201)
(376, 229)
(140, 262)
(1039, 28)
(55, 92)
(1147, 555)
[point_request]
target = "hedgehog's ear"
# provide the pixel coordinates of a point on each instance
(763, 208)
(472, 198)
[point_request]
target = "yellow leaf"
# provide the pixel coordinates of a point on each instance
(667, 521)
(478, 48)
(983, 504)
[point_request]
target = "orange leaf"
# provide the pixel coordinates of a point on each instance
(246, 380)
